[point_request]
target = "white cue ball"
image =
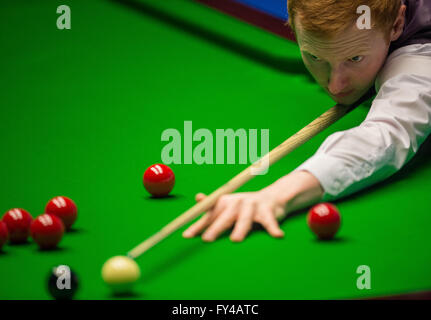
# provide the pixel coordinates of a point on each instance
(120, 273)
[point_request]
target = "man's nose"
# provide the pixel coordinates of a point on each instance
(337, 81)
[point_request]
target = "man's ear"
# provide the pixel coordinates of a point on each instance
(398, 26)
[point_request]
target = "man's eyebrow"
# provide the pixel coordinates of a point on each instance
(358, 52)
(308, 52)
(350, 49)
(312, 54)
(354, 53)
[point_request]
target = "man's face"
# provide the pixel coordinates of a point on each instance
(346, 65)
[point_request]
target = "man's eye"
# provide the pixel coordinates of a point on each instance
(314, 58)
(356, 59)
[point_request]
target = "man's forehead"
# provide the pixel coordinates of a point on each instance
(351, 37)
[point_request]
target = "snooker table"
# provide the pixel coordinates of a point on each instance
(82, 113)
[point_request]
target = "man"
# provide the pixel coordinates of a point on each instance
(394, 56)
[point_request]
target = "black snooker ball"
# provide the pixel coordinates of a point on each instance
(62, 283)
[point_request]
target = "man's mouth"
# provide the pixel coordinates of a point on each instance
(342, 94)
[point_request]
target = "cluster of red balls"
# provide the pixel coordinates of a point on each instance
(46, 230)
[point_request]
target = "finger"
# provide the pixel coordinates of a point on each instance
(205, 221)
(269, 222)
(198, 226)
(224, 221)
(200, 196)
(244, 223)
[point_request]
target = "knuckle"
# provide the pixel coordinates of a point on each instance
(248, 201)
(229, 217)
(223, 199)
(265, 218)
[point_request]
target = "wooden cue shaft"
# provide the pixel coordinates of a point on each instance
(303, 135)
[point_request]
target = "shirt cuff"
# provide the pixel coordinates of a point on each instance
(333, 175)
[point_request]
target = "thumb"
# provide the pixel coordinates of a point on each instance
(200, 197)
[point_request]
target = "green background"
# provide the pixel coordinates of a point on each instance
(82, 112)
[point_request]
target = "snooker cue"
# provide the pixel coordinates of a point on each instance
(324, 121)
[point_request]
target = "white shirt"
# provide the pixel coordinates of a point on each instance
(398, 122)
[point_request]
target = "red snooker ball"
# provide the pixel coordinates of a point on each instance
(4, 234)
(18, 223)
(324, 220)
(64, 208)
(159, 180)
(47, 231)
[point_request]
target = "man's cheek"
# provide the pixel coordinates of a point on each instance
(318, 75)
(308, 66)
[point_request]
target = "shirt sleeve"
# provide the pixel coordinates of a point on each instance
(398, 122)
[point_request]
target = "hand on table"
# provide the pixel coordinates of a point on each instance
(296, 190)
(241, 210)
